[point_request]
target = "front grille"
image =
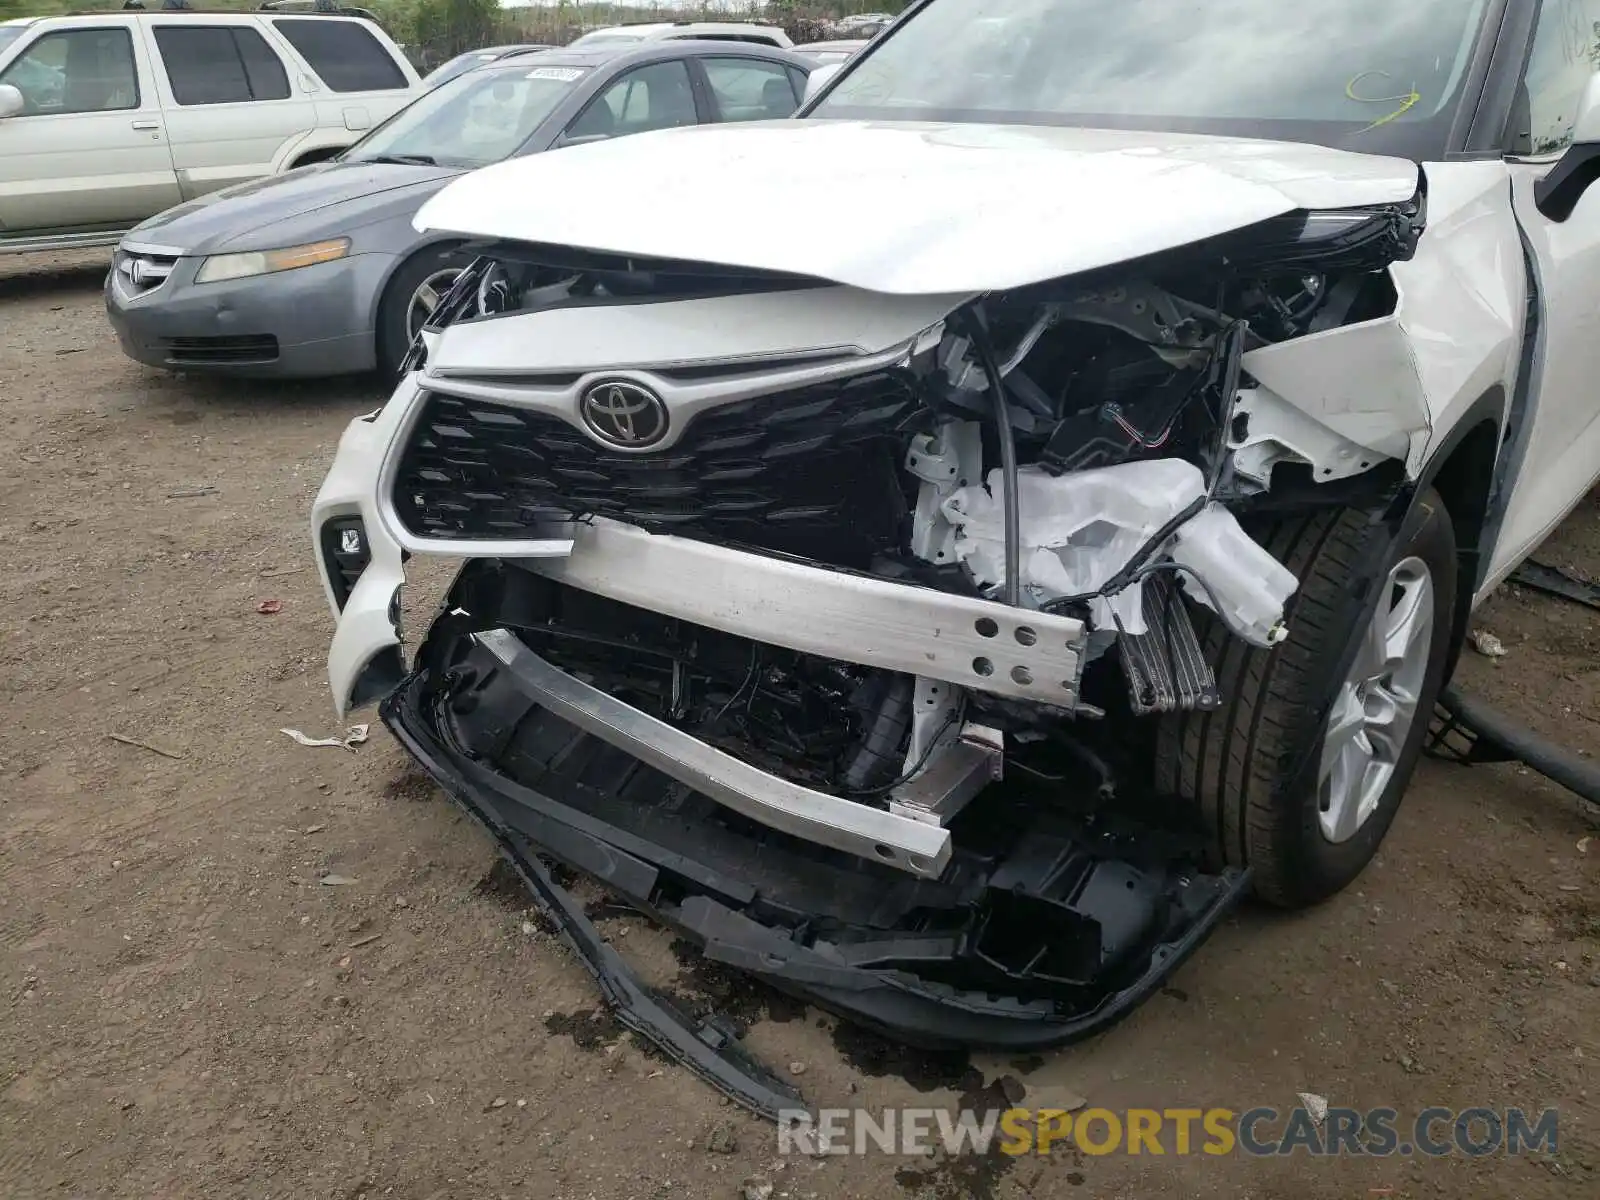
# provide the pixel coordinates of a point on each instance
(141, 273)
(218, 351)
(814, 471)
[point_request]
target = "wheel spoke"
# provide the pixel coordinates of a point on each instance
(1374, 710)
(1390, 712)
(1345, 723)
(427, 298)
(1344, 786)
(1350, 809)
(1373, 648)
(1386, 740)
(1409, 620)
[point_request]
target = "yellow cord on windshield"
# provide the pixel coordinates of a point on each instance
(1406, 101)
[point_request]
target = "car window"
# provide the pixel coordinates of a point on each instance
(655, 97)
(747, 89)
(343, 53)
(220, 64)
(76, 71)
(1566, 53)
(473, 120)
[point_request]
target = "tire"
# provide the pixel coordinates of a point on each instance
(1234, 767)
(395, 309)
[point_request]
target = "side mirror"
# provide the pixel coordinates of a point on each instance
(11, 101)
(1558, 193)
(818, 79)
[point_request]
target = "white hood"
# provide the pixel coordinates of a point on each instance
(906, 208)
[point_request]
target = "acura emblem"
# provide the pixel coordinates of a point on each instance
(624, 414)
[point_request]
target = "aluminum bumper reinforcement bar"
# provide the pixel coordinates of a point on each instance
(913, 846)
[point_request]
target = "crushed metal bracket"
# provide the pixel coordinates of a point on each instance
(962, 768)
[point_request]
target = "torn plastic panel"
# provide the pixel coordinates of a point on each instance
(709, 1048)
(1052, 920)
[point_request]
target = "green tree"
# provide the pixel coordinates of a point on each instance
(445, 28)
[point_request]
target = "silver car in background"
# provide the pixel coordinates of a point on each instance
(321, 272)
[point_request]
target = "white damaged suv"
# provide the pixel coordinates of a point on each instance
(949, 617)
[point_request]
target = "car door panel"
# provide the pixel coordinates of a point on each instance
(1560, 447)
(1561, 452)
(232, 102)
(95, 154)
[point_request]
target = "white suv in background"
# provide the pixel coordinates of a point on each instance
(108, 119)
(702, 31)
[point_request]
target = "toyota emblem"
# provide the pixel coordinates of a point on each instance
(623, 414)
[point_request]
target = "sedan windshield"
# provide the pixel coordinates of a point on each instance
(1364, 74)
(459, 65)
(472, 121)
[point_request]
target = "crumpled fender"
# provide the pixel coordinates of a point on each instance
(1391, 387)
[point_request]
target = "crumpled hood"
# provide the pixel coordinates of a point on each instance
(906, 208)
(243, 217)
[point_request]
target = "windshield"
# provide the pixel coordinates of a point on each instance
(474, 120)
(10, 34)
(459, 65)
(1364, 74)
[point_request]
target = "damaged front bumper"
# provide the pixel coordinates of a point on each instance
(1039, 930)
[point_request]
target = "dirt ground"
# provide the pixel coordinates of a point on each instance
(187, 1008)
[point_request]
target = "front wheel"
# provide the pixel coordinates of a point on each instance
(1308, 833)
(412, 294)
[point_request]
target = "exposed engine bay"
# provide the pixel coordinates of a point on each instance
(844, 659)
(1078, 448)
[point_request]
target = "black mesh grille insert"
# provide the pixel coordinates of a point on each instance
(813, 471)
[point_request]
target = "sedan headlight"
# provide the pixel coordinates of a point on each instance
(269, 262)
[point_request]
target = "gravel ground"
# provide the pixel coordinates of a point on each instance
(187, 1010)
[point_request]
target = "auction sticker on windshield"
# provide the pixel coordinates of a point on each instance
(564, 74)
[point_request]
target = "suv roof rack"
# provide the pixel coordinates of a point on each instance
(653, 24)
(299, 8)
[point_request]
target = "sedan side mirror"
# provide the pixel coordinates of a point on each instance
(12, 102)
(819, 77)
(1558, 193)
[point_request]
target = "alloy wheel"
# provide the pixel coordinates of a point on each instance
(1376, 706)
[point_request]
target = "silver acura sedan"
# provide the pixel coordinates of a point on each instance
(320, 271)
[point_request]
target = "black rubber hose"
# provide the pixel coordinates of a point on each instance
(1008, 456)
(1550, 760)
